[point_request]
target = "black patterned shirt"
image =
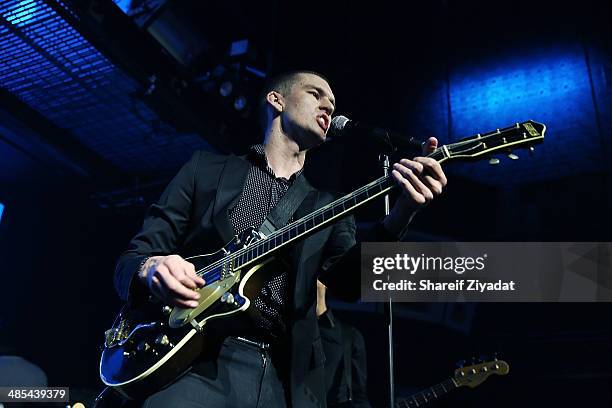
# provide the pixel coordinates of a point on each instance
(262, 192)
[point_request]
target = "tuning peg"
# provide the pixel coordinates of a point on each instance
(460, 363)
(495, 356)
(513, 156)
(493, 161)
(531, 151)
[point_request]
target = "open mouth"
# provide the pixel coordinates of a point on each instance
(323, 121)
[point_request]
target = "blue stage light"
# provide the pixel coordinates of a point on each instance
(550, 85)
(47, 64)
(23, 12)
(1, 211)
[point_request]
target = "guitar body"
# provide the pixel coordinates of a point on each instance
(151, 344)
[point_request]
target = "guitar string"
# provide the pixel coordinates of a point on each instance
(337, 203)
(351, 196)
(304, 220)
(342, 200)
(484, 137)
(442, 390)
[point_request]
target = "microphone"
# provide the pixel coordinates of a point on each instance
(341, 127)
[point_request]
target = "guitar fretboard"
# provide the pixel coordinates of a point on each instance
(427, 395)
(313, 221)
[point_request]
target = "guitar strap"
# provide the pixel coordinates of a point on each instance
(288, 204)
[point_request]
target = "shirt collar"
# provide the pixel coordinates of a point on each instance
(258, 155)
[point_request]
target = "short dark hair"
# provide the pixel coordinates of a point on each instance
(282, 84)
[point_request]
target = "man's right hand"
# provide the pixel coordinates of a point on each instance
(172, 279)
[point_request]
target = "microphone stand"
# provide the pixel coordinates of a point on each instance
(384, 160)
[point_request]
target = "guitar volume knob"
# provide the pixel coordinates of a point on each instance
(227, 298)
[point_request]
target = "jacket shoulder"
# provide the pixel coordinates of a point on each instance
(206, 161)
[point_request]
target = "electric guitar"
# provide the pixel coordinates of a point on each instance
(150, 344)
(471, 376)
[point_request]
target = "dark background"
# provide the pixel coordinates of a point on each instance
(98, 109)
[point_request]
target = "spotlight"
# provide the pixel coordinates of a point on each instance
(240, 103)
(1, 210)
(22, 13)
(226, 89)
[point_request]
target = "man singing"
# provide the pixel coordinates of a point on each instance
(277, 361)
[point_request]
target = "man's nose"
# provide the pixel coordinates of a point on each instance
(327, 106)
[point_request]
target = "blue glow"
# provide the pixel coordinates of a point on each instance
(21, 12)
(77, 88)
(1, 211)
(546, 85)
(124, 5)
(239, 47)
(256, 72)
(140, 11)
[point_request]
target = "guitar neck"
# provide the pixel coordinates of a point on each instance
(423, 397)
(312, 222)
(472, 148)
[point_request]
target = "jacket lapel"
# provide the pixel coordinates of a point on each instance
(230, 187)
(302, 249)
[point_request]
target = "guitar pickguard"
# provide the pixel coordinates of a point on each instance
(229, 298)
(209, 294)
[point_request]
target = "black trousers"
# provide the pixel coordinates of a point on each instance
(245, 378)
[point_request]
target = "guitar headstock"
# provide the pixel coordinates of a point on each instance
(521, 135)
(475, 375)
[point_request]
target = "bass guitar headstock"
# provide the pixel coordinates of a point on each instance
(476, 374)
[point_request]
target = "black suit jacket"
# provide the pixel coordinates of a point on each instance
(191, 218)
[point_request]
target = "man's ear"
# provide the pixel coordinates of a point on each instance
(276, 100)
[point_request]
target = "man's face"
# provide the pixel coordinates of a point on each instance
(308, 109)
